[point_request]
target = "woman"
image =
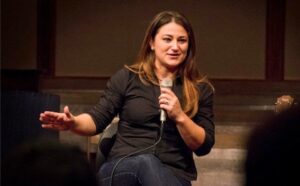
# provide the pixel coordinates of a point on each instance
(148, 151)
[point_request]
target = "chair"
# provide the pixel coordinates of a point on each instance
(106, 142)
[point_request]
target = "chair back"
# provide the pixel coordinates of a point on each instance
(106, 142)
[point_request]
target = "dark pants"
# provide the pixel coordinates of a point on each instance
(146, 170)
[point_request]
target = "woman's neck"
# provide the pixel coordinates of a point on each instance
(164, 73)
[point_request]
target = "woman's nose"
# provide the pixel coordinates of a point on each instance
(174, 45)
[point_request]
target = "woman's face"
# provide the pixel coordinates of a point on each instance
(170, 46)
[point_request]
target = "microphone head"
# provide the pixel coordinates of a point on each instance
(166, 83)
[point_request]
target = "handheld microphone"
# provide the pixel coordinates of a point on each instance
(166, 83)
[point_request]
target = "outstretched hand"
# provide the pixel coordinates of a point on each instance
(58, 121)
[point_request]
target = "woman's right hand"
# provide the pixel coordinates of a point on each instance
(58, 121)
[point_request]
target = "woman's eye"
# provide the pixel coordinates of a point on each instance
(182, 40)
(167, 39)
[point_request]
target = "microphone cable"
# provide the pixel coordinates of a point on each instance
(136, 152)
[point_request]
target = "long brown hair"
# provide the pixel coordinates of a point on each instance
(188, 70)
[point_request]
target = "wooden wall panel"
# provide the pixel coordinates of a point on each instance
(292, 41)
(19, 34)
(96, 38)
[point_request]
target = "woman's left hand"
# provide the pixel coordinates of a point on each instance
(170, 103)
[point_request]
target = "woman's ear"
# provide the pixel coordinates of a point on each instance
(151, 44)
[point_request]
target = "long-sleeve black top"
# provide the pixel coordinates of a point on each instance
(137, 106)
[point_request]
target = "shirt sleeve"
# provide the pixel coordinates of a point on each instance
(205, 118)
(111, 100)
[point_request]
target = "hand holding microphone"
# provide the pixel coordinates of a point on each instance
(169, 102)
(165, 83)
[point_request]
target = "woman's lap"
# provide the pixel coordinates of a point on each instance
(145, 169)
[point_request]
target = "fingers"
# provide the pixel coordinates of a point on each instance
(56, 120)
(54, 127)
(167, 100)
(165, 90)
(166, 105)
(67, 112)
(54, 123)
(51, 117)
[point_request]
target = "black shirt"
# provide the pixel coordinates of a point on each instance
(137, 106)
